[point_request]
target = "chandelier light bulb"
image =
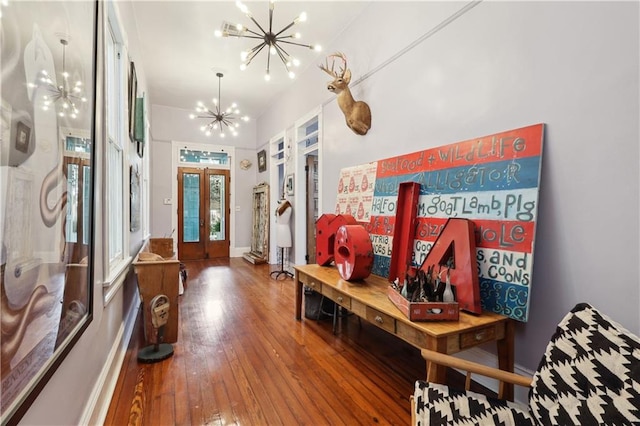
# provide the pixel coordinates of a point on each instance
(207, 133)
(296, 62)
(292, 74)
(267, 77)
(243, 55)
(297, 35)
(222, 135)
(301, 18)
(217, 33)
(192, 116)
(243, 67)
(317, 48)
(272, 50)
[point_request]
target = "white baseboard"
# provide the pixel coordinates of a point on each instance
(238, 251)
(98, 406)
(483, 357)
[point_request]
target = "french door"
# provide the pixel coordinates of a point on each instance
(203, 213)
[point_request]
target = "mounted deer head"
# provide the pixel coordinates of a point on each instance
(356, 113)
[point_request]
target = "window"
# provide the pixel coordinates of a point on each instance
(115, 191)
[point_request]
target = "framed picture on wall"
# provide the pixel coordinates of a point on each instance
(288, 186)
(262, 161)
(133, 92)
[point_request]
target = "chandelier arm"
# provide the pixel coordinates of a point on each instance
(281, 53)
(294, 43)
(258, 25)
(257, 35)
(271, 6)
(269, 61)
(285, 28)
(254, 52)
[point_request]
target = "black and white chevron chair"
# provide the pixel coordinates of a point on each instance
(589, 375)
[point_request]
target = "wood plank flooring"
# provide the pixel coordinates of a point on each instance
(242, 358)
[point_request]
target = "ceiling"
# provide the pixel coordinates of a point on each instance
(181, 55)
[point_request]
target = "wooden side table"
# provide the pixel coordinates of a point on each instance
(368, 299)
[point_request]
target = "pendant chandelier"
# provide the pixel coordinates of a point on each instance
(222, 120)
(270, 39)
(64, 97)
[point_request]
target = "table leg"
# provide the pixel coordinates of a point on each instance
(437, 373)
(298, 296)
(506, 357)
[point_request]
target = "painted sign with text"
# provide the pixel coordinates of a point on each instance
(355, 191)
(492, 181)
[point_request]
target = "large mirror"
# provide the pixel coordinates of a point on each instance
(46, 187)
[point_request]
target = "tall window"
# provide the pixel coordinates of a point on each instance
(115, 95)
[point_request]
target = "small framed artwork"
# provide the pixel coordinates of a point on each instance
(262, 161)
(23, 135)
(133, 93)
(288, 185)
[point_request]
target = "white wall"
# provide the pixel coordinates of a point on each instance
(499, 66)
(173, 124)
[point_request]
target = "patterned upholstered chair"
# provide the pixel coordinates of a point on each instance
(589, 375)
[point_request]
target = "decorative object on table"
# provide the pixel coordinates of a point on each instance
(356, 113)
(421, 296)
(455, 251)
(245, 164)
(327, 226)
(219, 119)
(262, 161)
(353, 252)
(64, 97)
(268, 38)
(159, 311)
(503, 208)
(404, 230)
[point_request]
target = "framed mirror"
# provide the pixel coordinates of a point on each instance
(47, 165)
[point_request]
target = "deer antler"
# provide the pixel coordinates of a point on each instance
(332, 71)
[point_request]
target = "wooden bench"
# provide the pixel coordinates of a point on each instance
(158, 271)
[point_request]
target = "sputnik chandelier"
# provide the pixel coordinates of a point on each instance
(64, 96)
(269, 38)
(219, 119)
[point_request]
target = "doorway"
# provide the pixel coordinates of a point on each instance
(77, 171)
(203, 213)
(311, 170)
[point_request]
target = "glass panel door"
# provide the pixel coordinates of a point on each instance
(191, 207)
(203, 198)
(190, 214)
(218, 202)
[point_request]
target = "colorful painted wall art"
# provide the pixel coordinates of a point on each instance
(493, 181)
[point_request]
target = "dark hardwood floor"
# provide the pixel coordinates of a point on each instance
(242, 358)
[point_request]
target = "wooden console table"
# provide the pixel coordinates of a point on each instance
(368, 299)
